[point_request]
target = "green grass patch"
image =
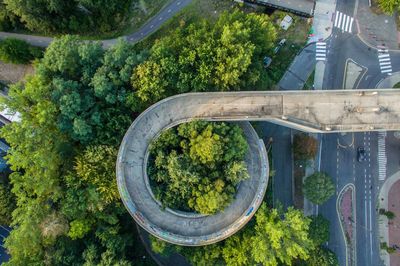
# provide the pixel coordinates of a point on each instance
(396, 86)
(296, 38)
(309, 85)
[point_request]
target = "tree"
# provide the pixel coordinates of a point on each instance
(322, 257)
(17, 51)
(279, 240)
(197, 166)
(7, 203)
(319, 230)
(318, 188)
(389, 6)
(53, 16)
(226, 55)
(304, 147)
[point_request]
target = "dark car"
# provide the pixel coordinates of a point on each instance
(361, 154)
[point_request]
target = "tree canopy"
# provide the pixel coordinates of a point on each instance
(63, 16)
(318, 187)
(76, 108)
(197, 165)
(389, 6)
(276, 238)
(304, 147)
(226, 55)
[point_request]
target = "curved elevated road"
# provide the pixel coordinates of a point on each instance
(313, 111)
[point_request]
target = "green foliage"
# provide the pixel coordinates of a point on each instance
(304, 147)
(226, 55)
(389, 214)
(197, 166)
(322, 257)
(17, 51)
(94, 167)
(7, 203)
(161, 247)
(389, 6)
(388, 249)
(318, 188)
(53, 16)
(79, 228)
(319, 230)
(276, 238)
(90, 92)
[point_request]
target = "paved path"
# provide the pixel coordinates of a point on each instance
(147, 29)
(300, 69)
(384, 196)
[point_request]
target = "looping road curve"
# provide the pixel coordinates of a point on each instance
(171, 226)
(312, 111)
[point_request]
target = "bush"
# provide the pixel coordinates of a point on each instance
(18, 52)
(389, 214)
(318, 188)
(7, 203)
(319, 230)
(304, 147)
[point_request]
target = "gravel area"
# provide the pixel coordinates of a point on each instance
(10, 73)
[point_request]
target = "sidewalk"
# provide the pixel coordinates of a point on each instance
(322, 25)
(376, 29)
(383, 221)
(299, 70)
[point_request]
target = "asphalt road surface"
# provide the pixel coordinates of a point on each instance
(339, 158)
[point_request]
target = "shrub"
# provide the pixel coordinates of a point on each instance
(18, 52)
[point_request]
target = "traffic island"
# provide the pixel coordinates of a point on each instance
(347, 215)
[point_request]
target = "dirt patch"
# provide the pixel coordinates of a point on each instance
(375, 7)
(10, 73)
(298, 198)
(394, 224)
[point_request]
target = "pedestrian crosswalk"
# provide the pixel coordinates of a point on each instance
(384, 60)
(320, 51)
(382, 160)
(343, 22)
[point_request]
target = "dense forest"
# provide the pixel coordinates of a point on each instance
(75, 110)
(63, 16)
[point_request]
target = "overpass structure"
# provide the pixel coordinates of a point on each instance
(311, 111)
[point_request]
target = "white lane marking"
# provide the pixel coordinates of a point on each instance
(383, 55)
(351, 25)
(347, 24)
(340, 20)
(385, 67)
(336, 18)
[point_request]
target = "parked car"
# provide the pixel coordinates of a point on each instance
(267, 61)
(361, 154)
(280, 44)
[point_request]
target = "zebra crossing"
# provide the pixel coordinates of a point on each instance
(384, 60)
(343, 22)
(382, 160)
(320, 51)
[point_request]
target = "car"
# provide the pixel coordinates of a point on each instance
(267, 61)
(280, 44)
(361, 154)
